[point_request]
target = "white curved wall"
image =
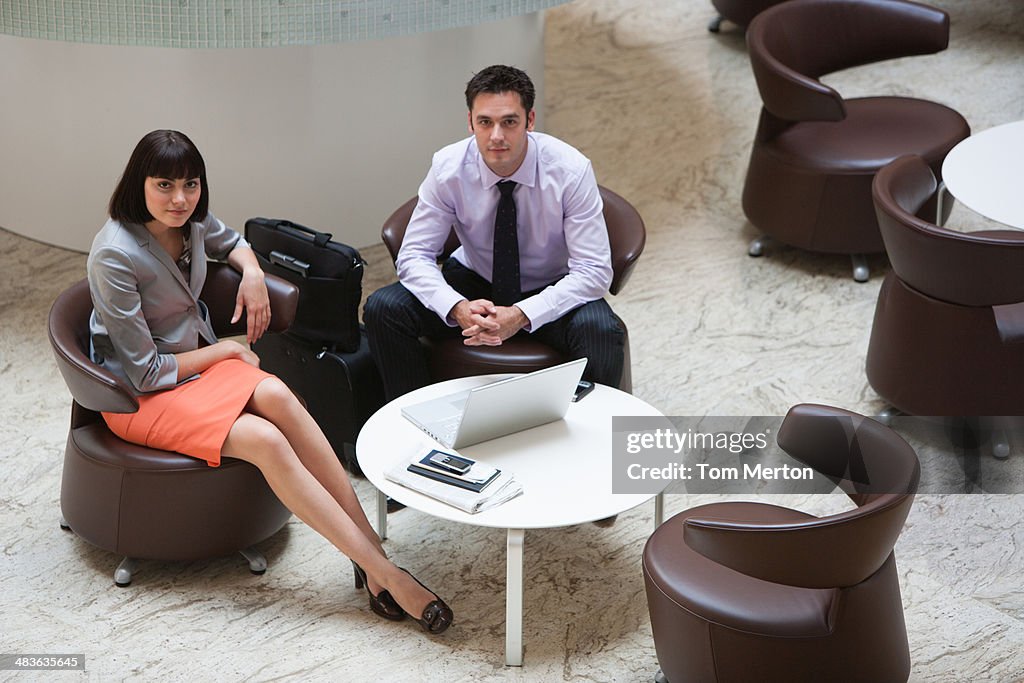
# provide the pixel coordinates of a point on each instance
(332, 136)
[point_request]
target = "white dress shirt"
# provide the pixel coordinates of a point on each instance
(563, 241)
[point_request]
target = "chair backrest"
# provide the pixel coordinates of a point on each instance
(96, 388)
(92, 386)
(793, 44)
(626, 234)
(969, 269)
(873, 464)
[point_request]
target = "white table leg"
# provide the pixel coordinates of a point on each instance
(514, 598)
(940, 202)
(659, 509)
(382, 515)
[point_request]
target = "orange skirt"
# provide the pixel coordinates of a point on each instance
(193, 418)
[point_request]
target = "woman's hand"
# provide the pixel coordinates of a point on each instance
(244, 353)
(199, 360)
(253, 297)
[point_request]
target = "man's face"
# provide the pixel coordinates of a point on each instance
(500, 124)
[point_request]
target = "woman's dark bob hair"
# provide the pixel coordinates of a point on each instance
(160, 154)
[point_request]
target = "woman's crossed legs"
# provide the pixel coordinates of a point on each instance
(276, 434)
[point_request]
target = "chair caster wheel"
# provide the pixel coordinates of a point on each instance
(64, 524)
(861, 272)
(757, 246)
(715, 24)
(660, 677)
(257, 563)
(123, 573)
(886, 416)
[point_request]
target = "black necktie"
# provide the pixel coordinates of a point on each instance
(505, 270)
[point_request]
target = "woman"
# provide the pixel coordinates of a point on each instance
(207, 398)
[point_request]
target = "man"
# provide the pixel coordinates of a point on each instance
(534, 257)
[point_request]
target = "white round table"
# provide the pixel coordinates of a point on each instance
(565, 468)
(984, 172)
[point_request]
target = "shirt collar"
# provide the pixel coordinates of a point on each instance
(526, 174)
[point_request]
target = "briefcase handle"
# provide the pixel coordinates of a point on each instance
(319, 238)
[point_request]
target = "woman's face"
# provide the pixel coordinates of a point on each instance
(170, 202)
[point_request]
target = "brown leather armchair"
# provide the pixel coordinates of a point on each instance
(150, 504)
(743, 591)
(949, 324)
(739, 12)
(450, 358)
(815, 153)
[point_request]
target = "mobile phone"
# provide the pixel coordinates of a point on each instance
(582, 389)
(450, 462)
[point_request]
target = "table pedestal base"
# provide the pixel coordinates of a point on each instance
(382, 515)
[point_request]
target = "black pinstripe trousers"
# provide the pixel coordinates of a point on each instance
(395, 320)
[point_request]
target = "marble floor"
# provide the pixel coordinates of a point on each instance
(666, 111)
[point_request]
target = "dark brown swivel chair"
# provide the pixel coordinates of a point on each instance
(739, 12)
(948, 334)
(743, 591)
(143, 503)
(450, 358)
(814, 153)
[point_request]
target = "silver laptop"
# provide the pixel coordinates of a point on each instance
(499, 408)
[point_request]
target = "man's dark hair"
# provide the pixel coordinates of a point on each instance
(498, 79)
(160, 154)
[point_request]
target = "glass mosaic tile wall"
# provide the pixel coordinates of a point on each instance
(245, 23)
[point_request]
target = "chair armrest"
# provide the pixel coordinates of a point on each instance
(392, 233)
(627, 236)
(219, 294)
(92, 386)
(836, 551)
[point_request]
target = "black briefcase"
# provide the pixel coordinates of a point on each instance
(329, 276)
(341, 390)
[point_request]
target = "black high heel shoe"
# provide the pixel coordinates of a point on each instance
(382, 604)
(437, 616)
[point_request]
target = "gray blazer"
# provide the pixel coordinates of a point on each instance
(143, 310)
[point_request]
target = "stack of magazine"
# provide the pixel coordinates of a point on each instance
(475, 489)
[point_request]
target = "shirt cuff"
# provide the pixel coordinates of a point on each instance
(443, 303)
(536, 311)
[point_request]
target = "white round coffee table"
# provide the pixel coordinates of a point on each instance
(565, 468)
(984, 173)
